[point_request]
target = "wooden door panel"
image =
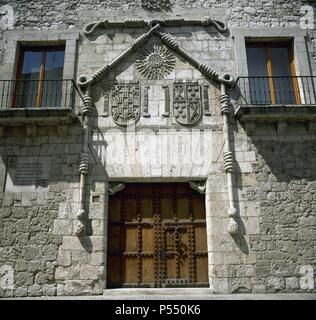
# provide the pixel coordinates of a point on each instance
(131, 239)
(167, 210)
(198, 208)
(202, 267)
(114, 270)
(114, 236)
(130, 209)
(146, 209)
(148, 267)
(183, 208)
(115, 210)
(148, 245)
(130, 270)
(200, 238)
(157, 237)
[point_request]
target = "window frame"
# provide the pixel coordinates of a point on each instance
(298, 36)
(35, 48)
(267, 45)
(15, 39)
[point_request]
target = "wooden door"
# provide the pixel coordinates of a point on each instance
(157, 237)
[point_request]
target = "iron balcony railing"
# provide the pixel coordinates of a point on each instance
(44, 94)
(276, 90)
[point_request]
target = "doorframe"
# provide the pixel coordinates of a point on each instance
(157, 181)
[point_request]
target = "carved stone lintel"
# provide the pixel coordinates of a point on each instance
(199, 186)
(115, 187)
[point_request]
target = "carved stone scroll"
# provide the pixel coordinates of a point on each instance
(199, 186)
(115, 187)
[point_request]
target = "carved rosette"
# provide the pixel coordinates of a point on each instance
(115, 187)
(199, 186)
(156, 63)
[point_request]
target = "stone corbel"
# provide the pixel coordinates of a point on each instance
(199, 186)
(115, 187)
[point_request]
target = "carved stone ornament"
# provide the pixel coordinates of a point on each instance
(156, 63)
(187, 108)
(115, 187)
(125, 103)
(199, 186)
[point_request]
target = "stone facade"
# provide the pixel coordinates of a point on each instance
(274, 187)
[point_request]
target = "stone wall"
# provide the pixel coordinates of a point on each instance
(37, 228)
(275, 179)
(275, 182)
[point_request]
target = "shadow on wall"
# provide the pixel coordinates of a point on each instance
(284, 190)
(286, 156)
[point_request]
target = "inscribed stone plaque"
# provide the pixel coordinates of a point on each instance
(27, 174)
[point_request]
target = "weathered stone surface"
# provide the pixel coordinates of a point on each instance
(78, 287)
(275, 173)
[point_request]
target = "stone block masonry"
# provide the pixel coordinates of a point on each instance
(274, 180)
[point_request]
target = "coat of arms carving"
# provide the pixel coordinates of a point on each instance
(125, 103)
(187, 108)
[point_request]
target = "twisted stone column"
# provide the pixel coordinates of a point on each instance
(84, 163)
(228, 161)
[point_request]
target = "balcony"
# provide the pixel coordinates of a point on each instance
(273, 99)
(38, 102)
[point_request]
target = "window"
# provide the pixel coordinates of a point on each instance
(272, 75)
(39, 77)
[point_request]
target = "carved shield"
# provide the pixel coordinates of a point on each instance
(187, 108)
(125, 103)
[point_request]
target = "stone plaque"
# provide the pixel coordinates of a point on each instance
(27, 174)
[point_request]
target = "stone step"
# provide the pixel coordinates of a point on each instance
(157, 292)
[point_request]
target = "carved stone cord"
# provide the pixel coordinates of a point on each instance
(84, 164)
(232, 227)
